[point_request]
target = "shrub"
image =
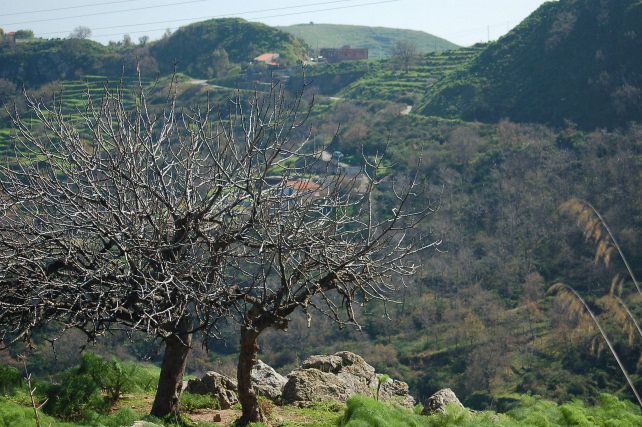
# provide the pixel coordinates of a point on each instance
(81, 388)
(15, 415)
(191, 401)
(9, 378)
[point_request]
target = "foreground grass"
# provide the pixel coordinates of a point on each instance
(359, 411)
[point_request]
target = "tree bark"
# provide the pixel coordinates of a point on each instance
(247, 394)
(170, 384)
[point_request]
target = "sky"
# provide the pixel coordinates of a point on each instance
(463, 22)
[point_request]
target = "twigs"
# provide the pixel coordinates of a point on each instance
(35, 406)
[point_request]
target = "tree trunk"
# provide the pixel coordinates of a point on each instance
(170, 384)
(247, 394)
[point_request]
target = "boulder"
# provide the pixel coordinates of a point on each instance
(219, 386)
(436, 403)
(338, 377)
(267, 381)
(396, 391)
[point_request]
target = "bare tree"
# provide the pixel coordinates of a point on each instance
(167, 222)
(80, 32)
(404, 52)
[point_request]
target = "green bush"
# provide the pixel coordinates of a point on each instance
(95, 385)
(10, 378)
(191, 401)
(15, 415)
(71, 399)
(532, 411)
(365, 411)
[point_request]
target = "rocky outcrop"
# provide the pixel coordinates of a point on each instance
(267, 381)
(219, 386)
(396, 391)
(436, 403)
(338, 377)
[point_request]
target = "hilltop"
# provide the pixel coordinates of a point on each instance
(205, 44)
(378, 40)
(206, 49)
(575, 60)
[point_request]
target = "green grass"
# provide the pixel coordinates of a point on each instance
(532, 411)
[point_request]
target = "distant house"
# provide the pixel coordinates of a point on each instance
(268, 58)
(303, 188)
(344, 54)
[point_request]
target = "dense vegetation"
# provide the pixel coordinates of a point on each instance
(204, 48)
(378, 40)
(570, 59)
(38, 62)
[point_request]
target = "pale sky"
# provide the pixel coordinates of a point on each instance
(463, 22)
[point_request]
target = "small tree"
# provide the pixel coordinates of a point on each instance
(80, 32)
(404, 53)
(166, 222)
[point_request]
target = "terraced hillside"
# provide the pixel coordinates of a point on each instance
(70, 96)
(389, 83)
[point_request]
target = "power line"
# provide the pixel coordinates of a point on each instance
(68, 7)
(159, 6)
(237, 14)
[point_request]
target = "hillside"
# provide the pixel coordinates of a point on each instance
(574, 60)
(375, 81)
(477, 317)
(38, 62)
(394, 84)
(205, 49)
(202, 47)
(379, 40)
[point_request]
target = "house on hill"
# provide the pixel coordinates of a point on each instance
(268, 58)
(344, 54)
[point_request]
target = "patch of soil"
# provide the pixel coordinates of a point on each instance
(223, 417)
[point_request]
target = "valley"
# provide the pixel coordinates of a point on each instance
(528, 150)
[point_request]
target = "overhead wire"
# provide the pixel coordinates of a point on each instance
(78, 6)
(111, 12)
(138, 25)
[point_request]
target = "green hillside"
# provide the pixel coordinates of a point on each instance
(575, 60)
(208, 44)
(379, 40)
(488, 135)
(40, 61)
(394, 84)
(357, 81)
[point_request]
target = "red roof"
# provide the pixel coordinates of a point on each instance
(304, 185)
(266, 57)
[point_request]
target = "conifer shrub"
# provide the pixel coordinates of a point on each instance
(95, 385)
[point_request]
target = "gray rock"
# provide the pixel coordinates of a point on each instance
(219, 386)
(338, 377)
(267, 381)
(436, 403)
(396, 391)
